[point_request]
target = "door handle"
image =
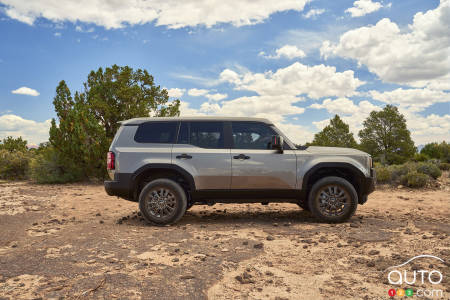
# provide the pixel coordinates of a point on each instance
(241, 156)
(183, 156)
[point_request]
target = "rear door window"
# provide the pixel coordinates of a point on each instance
(202, 134)
(156, 132)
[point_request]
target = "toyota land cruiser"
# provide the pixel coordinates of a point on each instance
(170, 164)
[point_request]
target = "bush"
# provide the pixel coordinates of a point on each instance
(444, 166)
(429, 169)
(397, 171)
(48, 167)
(420, 157)
(415, 179)
(384, 175)
(14, 165)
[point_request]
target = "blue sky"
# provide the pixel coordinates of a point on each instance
(295, 62)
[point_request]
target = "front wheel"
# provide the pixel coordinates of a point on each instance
(162, 201)
(333, 199)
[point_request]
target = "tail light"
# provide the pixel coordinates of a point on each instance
(110, 161)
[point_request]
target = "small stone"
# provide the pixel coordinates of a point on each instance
(98, 214)
(275, 224)
(176, 259)
(270, 238)
(323, 239)
(92, 261)
(371, 264)
(224, 250)
(188, 276)
(374, 252)
(339, 245)
(268, 273)
(354, 225)
(258, 246)
(245, 243)
(101, 222)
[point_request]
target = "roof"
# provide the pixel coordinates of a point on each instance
(136, 121)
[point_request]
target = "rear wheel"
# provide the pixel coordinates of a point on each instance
(333, 199)
(162, 201)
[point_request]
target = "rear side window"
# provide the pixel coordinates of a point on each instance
(156, 132)
(202, 134)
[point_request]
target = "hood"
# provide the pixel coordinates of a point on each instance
(334, 150)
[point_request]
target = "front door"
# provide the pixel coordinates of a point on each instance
(201, 151)
(254, 164)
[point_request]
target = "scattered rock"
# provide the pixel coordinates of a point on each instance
(323, 239)
(371, 264)
(245, 243)
(188, 276)
(245, 278)
(270, 238)
(258, 246)
(176, 259)
(374, 252)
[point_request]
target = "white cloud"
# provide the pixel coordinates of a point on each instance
(80, 29)
(197, 92)
(170, 13)
(57, 34)
(412, 99)
(176, 92)
(363, 7)
(313, 13)
(417, 57)
(32, 131)
(287, 51)
(216, 97)
(352, 114)
(25, 91)
(297, 79)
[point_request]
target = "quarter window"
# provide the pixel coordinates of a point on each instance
(156, 132)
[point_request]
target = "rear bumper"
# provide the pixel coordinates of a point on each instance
(121, 186)
(367, 186)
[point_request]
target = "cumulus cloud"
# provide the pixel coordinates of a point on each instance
(352, 114)
(414, 100)
(363, 7)
(32, 131)
(297, 79)
(313, 13)
(197, 92)
(216, 97)
(417, 57)
(176, 92)
(26, 91)
(170, 13)
(287, 51)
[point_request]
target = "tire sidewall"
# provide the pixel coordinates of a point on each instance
(313, 203)
(180, 197)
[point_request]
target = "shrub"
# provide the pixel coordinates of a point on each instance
(420, 157)
(14, 165)
(397, 171)
(444, 166)
(384, 174)
(415, 179)
(48, 167)
(429, 169)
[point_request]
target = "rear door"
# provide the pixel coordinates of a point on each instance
(201, 151)
(254, 164)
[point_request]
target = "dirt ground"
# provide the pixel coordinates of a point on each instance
(75, 242)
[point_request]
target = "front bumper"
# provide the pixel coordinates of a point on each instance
(367, 186)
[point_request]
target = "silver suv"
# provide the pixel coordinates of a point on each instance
(170, 164)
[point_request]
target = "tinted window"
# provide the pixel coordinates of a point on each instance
(183, 135)
(206, 134)
(252, 135)
(156, 132)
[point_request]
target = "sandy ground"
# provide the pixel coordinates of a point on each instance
(75, 242)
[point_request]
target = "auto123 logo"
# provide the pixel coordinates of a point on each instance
(404, 277)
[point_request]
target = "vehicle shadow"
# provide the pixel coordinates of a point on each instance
(224, 217)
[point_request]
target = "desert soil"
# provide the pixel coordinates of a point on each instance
(75, 242)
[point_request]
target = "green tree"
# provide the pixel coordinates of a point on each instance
(385, 134)
(87, 122)
(13, 144)
(336, 134)
(438, 151)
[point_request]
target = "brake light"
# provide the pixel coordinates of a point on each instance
(110, 161)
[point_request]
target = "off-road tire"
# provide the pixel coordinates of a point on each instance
(178, 201)
(323, 185)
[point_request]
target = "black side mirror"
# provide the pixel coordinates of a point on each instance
(277, 143)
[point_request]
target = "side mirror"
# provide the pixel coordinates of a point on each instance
(277, 143)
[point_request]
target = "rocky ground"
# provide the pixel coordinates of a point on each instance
(74, 241)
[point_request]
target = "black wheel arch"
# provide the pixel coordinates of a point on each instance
(340, 169)
(161, 170)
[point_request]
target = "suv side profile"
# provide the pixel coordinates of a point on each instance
(170, 164)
